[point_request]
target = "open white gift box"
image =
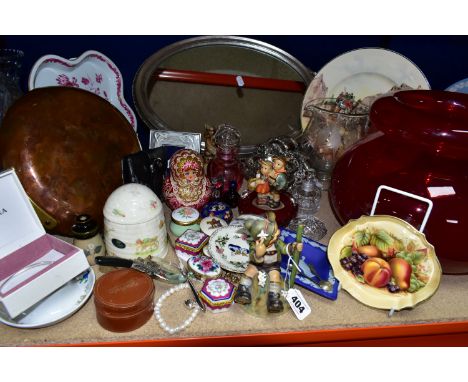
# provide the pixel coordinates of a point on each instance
(33, 263)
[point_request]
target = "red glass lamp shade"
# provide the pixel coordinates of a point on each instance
(420, 146)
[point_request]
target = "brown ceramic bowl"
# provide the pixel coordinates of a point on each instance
(124, 300)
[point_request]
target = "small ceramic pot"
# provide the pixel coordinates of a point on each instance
(184, 218)
(134, 224)
(87, 237)
(217, 294)
(124, 300)
(218, 209)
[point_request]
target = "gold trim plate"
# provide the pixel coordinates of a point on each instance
(380, 297)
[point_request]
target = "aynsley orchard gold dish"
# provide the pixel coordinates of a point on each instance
(384, 262)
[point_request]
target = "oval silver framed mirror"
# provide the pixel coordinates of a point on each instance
(212, 80)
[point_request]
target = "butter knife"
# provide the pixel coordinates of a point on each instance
(153, 267)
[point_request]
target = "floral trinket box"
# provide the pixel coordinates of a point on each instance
(217, 294)
(204, 267)
(190, 243)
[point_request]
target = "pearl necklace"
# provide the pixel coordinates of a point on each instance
(157, 311)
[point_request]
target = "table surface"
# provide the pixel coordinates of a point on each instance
(343, 319)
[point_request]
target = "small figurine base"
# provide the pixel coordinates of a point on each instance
(285, 211)
(260, 285)
(258, 306)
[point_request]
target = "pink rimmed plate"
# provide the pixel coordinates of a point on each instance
(92, 71)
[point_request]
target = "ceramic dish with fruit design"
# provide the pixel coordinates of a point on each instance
(384, 262)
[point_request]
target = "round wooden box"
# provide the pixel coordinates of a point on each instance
(124, 300)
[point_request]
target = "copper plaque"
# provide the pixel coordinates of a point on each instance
(66, 145)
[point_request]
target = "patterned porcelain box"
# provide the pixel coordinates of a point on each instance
(33, 263)
(190, 244)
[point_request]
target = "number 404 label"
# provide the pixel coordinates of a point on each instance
(298, 304)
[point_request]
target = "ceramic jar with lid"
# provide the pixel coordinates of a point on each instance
(184, 218)
(87, 237)
(134, 224)
(124, 300)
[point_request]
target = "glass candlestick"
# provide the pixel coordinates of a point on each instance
(307, 195)
(226, 164)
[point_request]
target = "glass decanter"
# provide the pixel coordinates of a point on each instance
(226, 164)
(10, 91)
(307, 196)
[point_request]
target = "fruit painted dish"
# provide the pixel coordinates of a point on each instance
(384, 262)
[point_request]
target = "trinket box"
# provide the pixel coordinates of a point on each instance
(33, 264)
(211, 223)
(217, 294)
(203, 267)
(134, 224)
(184, 218)
(190, 244)
(218, 209)
(124, 300)
(206, 251)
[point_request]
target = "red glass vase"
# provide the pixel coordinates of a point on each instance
(420, 146)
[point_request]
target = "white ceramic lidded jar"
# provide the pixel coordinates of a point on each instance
(134, 224)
